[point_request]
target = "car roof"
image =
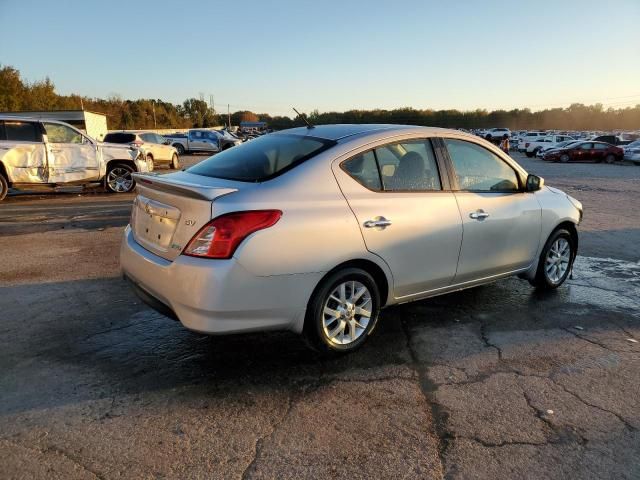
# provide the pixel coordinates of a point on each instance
(338, 132)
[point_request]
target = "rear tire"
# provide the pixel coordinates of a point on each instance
(4, 187)
(610, 158)
(179, 148)
(175, 163)
(530, 154)
(336, 320)
(149, 159)
(119, 178)
(556, 260)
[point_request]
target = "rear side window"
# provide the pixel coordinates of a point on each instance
(119, 137)
(479, 170)
(364, 170)
(22, 131)
(262, 158)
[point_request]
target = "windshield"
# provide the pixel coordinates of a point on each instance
(262, 158)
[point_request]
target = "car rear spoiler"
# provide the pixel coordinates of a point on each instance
(187, 189)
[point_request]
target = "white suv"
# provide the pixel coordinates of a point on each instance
(528, 137)
(46, 153)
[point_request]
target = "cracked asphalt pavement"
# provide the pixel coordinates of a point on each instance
(497, 382)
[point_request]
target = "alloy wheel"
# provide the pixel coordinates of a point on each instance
(346, 312)
(120, 179)
(557, 261)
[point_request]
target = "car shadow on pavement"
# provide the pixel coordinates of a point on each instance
(91, 339)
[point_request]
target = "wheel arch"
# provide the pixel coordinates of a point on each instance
(115, 161)
(4, 173)
(568, 225)
(369, 266)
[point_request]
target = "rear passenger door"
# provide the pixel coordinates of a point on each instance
(406, 212)
(501, 222)
(23, 153)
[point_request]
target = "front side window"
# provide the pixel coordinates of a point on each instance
(57, 133)
(586, 146)
(480, 170)
(600, 146)
(262, 158)
(22, 131)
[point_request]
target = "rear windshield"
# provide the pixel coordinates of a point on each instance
(119, 137)
(261, 159)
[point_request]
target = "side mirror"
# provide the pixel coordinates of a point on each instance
(166, 142)
(534, 183)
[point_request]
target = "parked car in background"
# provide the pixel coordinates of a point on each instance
(632, 152)
(203, 140)
(155, 148)
(611, 139)
(496, 134)
(528, 137)
(256, 245)
(585, 152)
(548, 148)
(47, 154)
(535, 144)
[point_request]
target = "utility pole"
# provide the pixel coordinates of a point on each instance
(229, 115)
(153, 107)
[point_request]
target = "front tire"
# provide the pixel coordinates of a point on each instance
(530, 154)
(610, 158)
(343, 312)
(4, 187)
(556, 260)
(119, 178)
(564, 158)
(175, 163)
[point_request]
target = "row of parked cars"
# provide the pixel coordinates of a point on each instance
(570, 146)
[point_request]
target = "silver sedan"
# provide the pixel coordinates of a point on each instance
(316, 229)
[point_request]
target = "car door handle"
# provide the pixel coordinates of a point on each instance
(56, 150)
(479, 215)
(378, 222)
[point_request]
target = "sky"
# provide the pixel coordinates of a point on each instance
(267, 56)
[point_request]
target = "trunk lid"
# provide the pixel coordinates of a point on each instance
(170, 209)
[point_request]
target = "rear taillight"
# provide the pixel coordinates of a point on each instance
(221, 236)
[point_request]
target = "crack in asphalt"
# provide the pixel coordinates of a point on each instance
(438, 414)
(485, 339)
(260, 440)
(58, 451)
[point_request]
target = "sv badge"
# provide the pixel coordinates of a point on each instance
(189, 223)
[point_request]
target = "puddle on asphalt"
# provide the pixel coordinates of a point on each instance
(606, 282)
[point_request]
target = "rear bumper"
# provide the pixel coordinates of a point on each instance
(216, 296)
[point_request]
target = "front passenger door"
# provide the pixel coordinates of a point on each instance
(501, 223)
(72, 157)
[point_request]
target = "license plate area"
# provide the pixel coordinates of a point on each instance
(154, 223)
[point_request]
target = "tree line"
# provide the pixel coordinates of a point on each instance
(17, 94)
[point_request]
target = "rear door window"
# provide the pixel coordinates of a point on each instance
(19, 131)
(119, 137)
(408, 166)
